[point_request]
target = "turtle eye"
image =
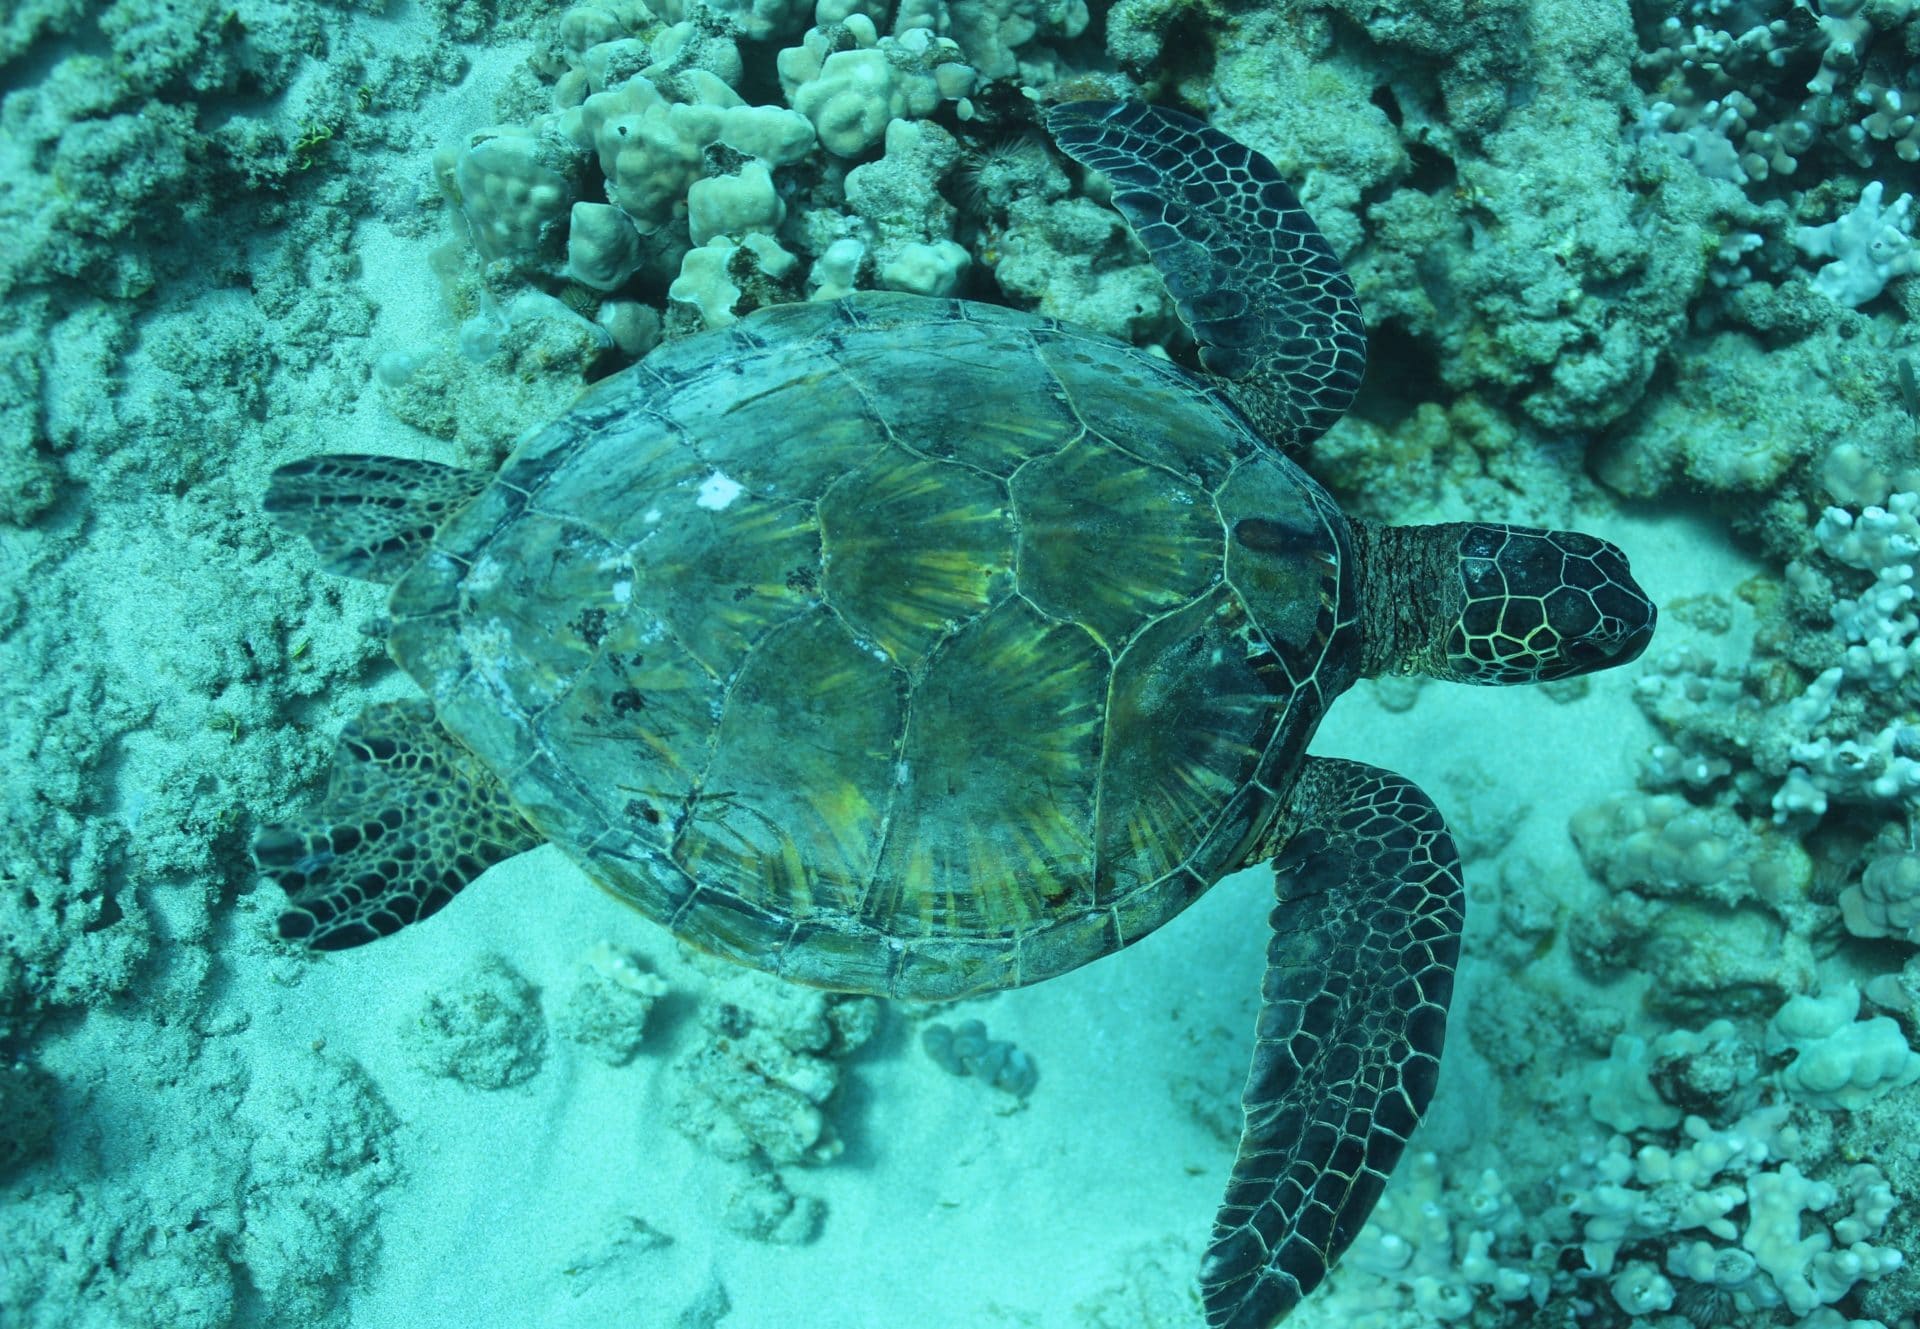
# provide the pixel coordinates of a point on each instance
(1583, 654)
(1617, 638)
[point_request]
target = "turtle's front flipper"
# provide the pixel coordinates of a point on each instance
(368, 517)
(1353, 1012)
(1254, 280)
(409, 818)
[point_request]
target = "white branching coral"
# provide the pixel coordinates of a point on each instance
(1438, 1250)
(1881, 634)
(1880, 624)
(1706, 1216)
(1869, 246)
(1734, 1214)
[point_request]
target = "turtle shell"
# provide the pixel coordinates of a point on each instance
(893, 645)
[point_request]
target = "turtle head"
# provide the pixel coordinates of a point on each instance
(1478, 602)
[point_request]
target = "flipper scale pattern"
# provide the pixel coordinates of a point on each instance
(1366, 935)
(1254, 280)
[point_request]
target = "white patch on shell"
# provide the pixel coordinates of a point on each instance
(497, 665)
(485, 574)
(717, 491)
(622, 592)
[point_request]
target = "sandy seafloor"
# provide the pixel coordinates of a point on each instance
(243, 1134)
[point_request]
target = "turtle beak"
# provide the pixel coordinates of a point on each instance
(1625, 605)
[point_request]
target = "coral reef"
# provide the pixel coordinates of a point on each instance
(1839, 1062)
(696, 180)
(1885, 902)
(1716, 1223)
(1733, 1184)
(1439, 1251)
(1705, 904)
(1869, 246)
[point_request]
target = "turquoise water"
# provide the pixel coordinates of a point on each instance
(1626, 271)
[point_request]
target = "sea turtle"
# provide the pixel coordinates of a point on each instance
(921, 647)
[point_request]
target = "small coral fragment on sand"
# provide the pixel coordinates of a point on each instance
(965, 1049)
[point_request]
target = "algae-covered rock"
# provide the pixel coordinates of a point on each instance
(607, 1013)
(759, 1084)
(486, 1030)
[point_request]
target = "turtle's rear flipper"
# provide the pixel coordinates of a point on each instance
(1254, 280)
(368, 517)
(1353, 1012)
(409, 818)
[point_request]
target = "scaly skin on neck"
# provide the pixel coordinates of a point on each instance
(1489, 603)
(1409, 595)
